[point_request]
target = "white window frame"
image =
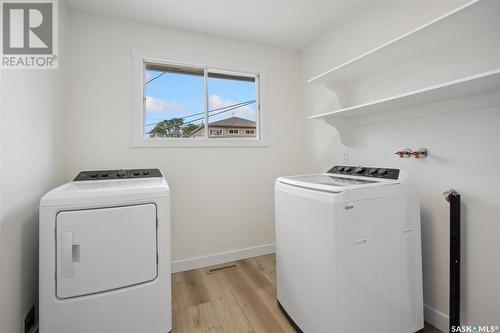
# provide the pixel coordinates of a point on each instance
(138, 113)
(236, 131)
(247, 132)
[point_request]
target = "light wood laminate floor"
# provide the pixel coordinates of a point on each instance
(240, 300)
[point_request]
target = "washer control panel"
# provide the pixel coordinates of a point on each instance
(374, 172)
(117, 174)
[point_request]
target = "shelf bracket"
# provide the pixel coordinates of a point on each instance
(342, 92)
(328, 96)
(343, 127)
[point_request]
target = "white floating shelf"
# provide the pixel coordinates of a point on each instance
(469, 86)
(467, 20)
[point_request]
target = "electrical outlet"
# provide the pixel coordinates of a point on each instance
(345, 156)
(29, 320)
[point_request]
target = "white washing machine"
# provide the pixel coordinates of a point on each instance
(105, 254)
(348, 251)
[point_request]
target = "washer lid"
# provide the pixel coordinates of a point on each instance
(333, 183)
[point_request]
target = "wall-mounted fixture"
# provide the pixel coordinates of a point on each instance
(420, 153)
(407, 152)
(404, 153)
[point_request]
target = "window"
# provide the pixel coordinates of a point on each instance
(216, 132)
(180, 102)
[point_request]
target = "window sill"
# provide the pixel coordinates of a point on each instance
(197, 143)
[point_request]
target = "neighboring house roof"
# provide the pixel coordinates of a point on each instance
(233, 122)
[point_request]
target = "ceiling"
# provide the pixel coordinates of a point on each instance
(287, 24)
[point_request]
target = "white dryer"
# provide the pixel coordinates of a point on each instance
(105, 254)
(348, 251)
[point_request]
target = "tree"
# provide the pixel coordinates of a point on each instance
(173, 128)
(170, 128)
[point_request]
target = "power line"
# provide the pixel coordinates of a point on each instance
(155, 77)
(221, 108)
(187, 122)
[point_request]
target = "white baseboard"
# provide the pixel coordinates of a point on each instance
(436, 318)
(221, 257)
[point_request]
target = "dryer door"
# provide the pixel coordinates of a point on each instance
(104, 249)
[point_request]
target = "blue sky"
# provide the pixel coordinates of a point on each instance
(178, 95)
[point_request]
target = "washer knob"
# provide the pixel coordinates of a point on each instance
(372, 171)
(120, 173)
(347, 169)
(359, 169)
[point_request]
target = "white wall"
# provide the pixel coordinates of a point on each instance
(222, 198)
(32, 155)
(462, 136)
(48, 143)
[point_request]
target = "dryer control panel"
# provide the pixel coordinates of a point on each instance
(374, 172)
(117, 174)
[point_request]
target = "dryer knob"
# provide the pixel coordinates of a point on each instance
(359, 169)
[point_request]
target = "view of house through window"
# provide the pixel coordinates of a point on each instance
(177, 105)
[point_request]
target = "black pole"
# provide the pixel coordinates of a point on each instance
(454, 198)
